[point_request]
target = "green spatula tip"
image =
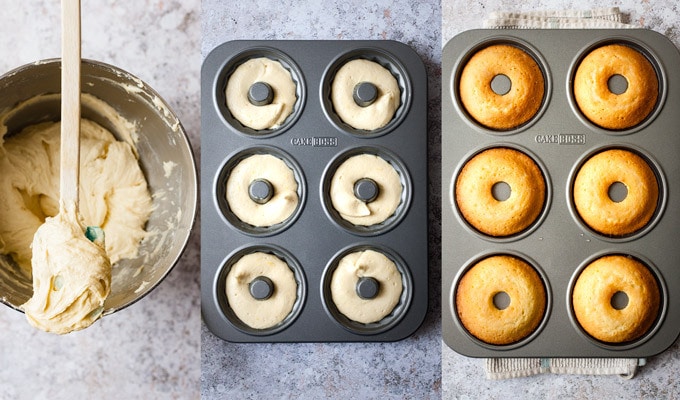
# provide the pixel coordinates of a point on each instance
(95, 234)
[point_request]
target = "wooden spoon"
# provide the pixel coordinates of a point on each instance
(69, 176)
(71, 275)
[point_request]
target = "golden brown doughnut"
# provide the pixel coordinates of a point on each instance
(592, 299)
(494, 110)
(591, 192)
(475, 300)
(475, 200)
(605, 108)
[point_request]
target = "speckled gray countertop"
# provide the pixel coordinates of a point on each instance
(149, 350)
(462, 377)
(407, 369)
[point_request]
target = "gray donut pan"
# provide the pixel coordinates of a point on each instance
(312, 141)
(559, 245)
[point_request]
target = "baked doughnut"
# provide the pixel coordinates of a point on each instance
(380, 110)
(605, 108)
(475, 300)
(270, 113)
(474, 191)
(266, 312)
(593, 292)
(591, 192)
(501, 111)
(366, 264)
(281, 202)
(359, 211)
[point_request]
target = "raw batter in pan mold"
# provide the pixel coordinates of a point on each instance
(369, 264)
(365, 212)
(271, 113)
(267, 312)
(270, 170)
(377, 112)
(113, 196)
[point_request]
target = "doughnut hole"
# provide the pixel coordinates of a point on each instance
(501, 191)
(619, 300)
(501, 84)
(501, 300)
(617, 84)
(617, 192)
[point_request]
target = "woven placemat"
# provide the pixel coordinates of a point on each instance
(596, 18)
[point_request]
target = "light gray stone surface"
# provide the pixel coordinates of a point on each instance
(462, 377)
(408, 369)
(149, 350)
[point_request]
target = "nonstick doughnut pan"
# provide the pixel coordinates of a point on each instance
(559, 139)
(313, 141)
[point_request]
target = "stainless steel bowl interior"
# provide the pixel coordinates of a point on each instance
(165, 156)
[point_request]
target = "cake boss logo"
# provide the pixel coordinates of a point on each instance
(566, 139)
(315, 141)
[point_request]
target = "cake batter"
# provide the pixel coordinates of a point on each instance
(71, 276)
(367, 263)
(355, 210)
(273, 73)
(261, 313)
(284, 199)
(113, 196)
(375, 115)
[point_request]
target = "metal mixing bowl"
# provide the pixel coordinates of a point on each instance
(162, 139)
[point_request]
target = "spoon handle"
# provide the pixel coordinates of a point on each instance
(70, 104)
